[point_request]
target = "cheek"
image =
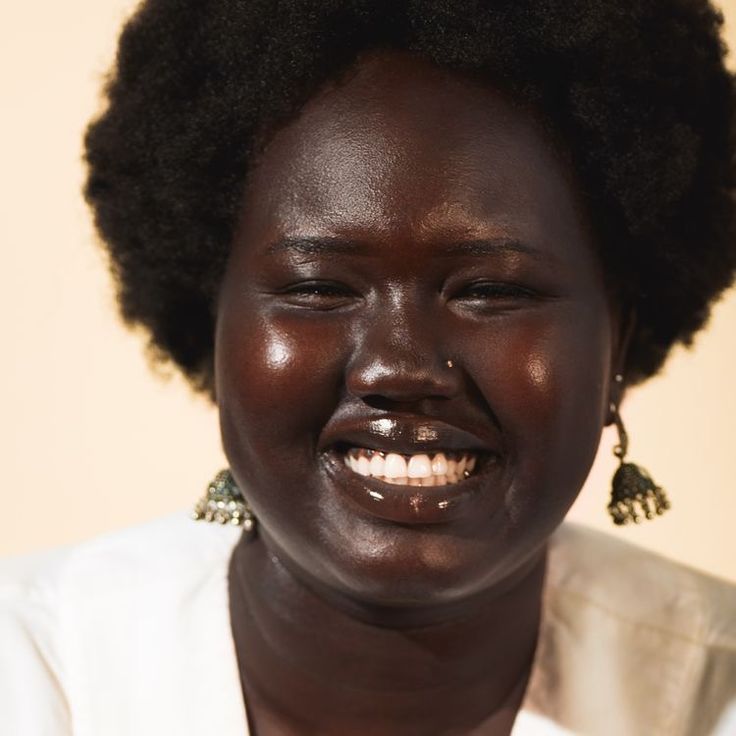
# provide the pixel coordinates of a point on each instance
(556, 374)
(545, 368)
(545, 382)
(275, 381)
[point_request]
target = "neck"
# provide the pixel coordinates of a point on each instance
(312, 664)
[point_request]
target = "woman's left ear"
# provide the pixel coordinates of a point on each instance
(617, 384)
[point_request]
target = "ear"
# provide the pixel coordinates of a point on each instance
(618, 384)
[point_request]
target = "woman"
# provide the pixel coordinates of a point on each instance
(416, 252)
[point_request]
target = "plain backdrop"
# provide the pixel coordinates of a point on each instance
(93, 440)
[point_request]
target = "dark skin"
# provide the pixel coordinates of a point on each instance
(405, 218)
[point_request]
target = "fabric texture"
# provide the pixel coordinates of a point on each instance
(130, 634)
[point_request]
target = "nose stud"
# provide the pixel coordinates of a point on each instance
(450, 364)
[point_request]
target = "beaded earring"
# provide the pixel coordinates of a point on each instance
(633, 491)
(223, 503)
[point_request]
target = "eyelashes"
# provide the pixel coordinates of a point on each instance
(322, 295)
(490, 290)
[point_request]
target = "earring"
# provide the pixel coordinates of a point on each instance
(223, 503)
(633, 491)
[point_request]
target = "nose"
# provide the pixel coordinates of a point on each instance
(400, 358)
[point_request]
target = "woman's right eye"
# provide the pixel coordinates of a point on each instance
(323, 295)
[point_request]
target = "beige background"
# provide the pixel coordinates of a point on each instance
(91, 441)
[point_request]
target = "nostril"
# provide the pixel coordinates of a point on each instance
(382, 384)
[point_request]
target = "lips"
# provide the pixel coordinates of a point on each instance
(411, 436)
(406, 435)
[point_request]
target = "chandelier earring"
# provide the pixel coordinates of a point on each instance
(223, 503)
(633, 493)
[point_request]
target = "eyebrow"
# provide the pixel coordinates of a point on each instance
(316, 245)
(475, 247)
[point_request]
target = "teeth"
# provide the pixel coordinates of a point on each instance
(452, 471)
(412, 470)
(364, 465)
(376, 466)
(395, 466)
(419, 467)
(439, 464)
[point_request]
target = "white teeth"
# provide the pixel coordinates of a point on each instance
(439, 464)
(364, 465)
(395, 466)
(414, 470)
(376, 466)
(419, 467)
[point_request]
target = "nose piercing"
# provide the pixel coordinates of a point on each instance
(449, 364)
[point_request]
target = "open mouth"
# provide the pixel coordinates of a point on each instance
(415, 470)
(420, 469)
(434, 486)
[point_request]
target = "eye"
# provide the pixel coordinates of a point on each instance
(490, 298)
(490, 291)
(321, 295)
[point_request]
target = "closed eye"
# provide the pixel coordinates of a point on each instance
(323, 295)
(489, 290)
(492, 298)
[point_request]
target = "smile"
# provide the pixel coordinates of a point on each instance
(424, 470)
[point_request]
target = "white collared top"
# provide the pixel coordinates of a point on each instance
(129, 635)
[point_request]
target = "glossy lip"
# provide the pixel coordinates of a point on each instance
(405, 435)
(413, 504)
(408, 434)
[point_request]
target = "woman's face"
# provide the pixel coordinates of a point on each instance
(405, 219)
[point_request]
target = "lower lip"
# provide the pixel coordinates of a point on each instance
(415, 504)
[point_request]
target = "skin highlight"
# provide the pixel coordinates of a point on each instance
(406, 217)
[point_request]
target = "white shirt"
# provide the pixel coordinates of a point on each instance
(130, 635)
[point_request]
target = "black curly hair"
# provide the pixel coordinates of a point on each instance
(636, 89)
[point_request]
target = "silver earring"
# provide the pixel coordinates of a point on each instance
(223, 503)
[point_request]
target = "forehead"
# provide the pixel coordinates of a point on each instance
(400, 146)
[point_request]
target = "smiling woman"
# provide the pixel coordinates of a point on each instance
(416, 253)
(348, 257)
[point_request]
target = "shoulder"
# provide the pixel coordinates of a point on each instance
(60, 609)
(30, 666)
(632, 583)
(150, 553)
(656, 637)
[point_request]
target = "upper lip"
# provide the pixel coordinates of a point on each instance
(406, 435)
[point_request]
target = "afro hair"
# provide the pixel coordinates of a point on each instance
(636, 90)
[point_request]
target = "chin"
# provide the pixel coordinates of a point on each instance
(389, 570)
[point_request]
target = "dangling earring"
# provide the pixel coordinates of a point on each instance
(223, 503)
(633, 491)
